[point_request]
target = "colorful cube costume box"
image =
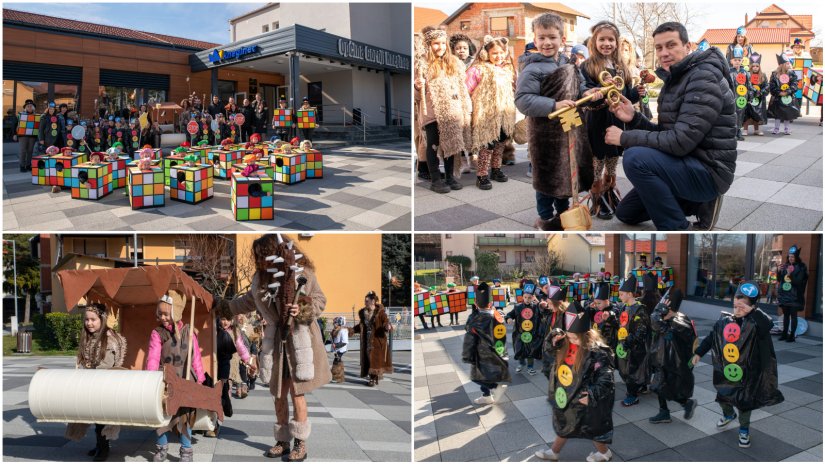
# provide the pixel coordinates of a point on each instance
(191, 184)
(290, 168)
(663, 275)
(91, 181)
(63, 165)
(173, 160)
(305, 118)
(282, 117)
(253, 197)
(471, 295)
(499, 295)
(29, 124)
(812, 89)
(421, 301)
(43, 172)
(119, 179)
(457, 301)
(578, 290)
(519, 295)
(801, 65)
(314, 164)
(223, 161)
(146, 188)
(439, 304)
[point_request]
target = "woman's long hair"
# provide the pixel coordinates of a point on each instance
(590, 340)
(98, 351)
(597, 63)
(267, 245)
(436, 66)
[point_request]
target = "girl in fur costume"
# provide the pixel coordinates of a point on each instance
(169, 344)
(340, 340)
(445, 108)
(100, 348)
(491, 82)
(605, 55)
(374, 327)
(300, 363)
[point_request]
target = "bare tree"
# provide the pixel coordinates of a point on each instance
(211, 258)
(547, 264)
(638, 20)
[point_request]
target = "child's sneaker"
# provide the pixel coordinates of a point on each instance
(787, 131)
(547, 455)
(485, 399)
(630, 401)
(599, 457)
(725, 420)
(690, 407)
(662, 418)
(775, 131)
(519, 368)
(759, 132)
(744, 438)
(531, 371)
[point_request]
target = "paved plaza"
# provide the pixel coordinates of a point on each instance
(778, 186)
(450, 427)
(364, 188)
(350, 422)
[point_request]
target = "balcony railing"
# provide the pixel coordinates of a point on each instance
(511, 241)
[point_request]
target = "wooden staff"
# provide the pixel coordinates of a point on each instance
(189, 348)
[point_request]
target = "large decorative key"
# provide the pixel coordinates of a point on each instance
(611, 89)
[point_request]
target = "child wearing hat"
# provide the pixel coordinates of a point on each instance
(756, 112)
(306, 133)
(783, 107)
(581, 388)
(552, 312)
(604, 315)
(633, 340)
(673, 335)
(742, 87)
(744, 361)
(527, 340)
(792, 279)
(453, 314)
(487, 368)
(28, 132)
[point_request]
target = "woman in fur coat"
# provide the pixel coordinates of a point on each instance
(302, 366)
(100, 348)
(445, 108)
(491, 84)
(374, 327)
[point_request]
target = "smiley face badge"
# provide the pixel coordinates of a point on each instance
(733, 372)
(526, 325)
(730, 353)
(620, 351)
(561, 398)
(499, 346)
(624, 318)
(565, 375)
(499, 331)
(622, 334)
(570, 357)
(526, 313)
(731, 332)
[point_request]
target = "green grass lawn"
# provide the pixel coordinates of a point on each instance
(10, 348)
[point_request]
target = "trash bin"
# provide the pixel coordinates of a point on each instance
(24, 342)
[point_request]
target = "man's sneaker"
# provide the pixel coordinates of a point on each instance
(630, 401)
(690, 406)
(725, 420)
(707, 214)
(547, 455)
(600, 457)
(485, 399)
(454, 184)
(519, 368)
(744, 438)
(439, 186)
(662, 418)
(531, 371)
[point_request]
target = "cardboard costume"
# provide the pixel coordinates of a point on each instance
(670, 351)
(744, 361)
(527, 336)
(479, 342)
(548, 143)
(784, 107)
(571, 379)
(633, 335)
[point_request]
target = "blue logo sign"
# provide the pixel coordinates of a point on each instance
(223, 55)
(749, 290)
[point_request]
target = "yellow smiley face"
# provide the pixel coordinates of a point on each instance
(730, 352)
(622, 333)
(499, 331)
(565, 375)
(527, 325)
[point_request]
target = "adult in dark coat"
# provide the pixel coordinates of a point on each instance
(487, 368)
(582, 389)
(52, 128)
(261, 114)
(672, 345)
(792, 279)
(215, 108)
(248, 125)
(744, 361)
(633, 336)
(683, 164)
(374, 327)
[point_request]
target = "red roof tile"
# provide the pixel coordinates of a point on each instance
(758, 35)
(806, 21)
(70, 25)
(773, 9)
(427, 17)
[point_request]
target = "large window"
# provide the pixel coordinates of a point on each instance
(503, 26)
(124, 97)
(15, 94)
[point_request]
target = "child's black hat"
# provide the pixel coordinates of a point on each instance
(602, 291)
(629, 284)
(483, 295)
(576, 319)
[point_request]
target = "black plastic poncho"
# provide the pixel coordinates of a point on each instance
(527, 331)
(633, 339)
(791, 295)
(480, 352)
(608, 325)
(670, 351)
(571, 419)
(744, 362)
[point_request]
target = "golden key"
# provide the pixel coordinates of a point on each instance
(569, 116)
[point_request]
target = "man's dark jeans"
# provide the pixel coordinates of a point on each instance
(662, 185)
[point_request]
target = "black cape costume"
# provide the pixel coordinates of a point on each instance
(670, 351)
(631, 350)
(527, 331)
(479, 350)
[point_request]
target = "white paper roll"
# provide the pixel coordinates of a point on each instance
(91, 396)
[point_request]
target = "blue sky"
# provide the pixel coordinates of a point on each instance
(199, 21)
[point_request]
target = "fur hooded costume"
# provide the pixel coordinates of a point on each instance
(448, 103)
(548, 143)
(494, 109)
(374, 327)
